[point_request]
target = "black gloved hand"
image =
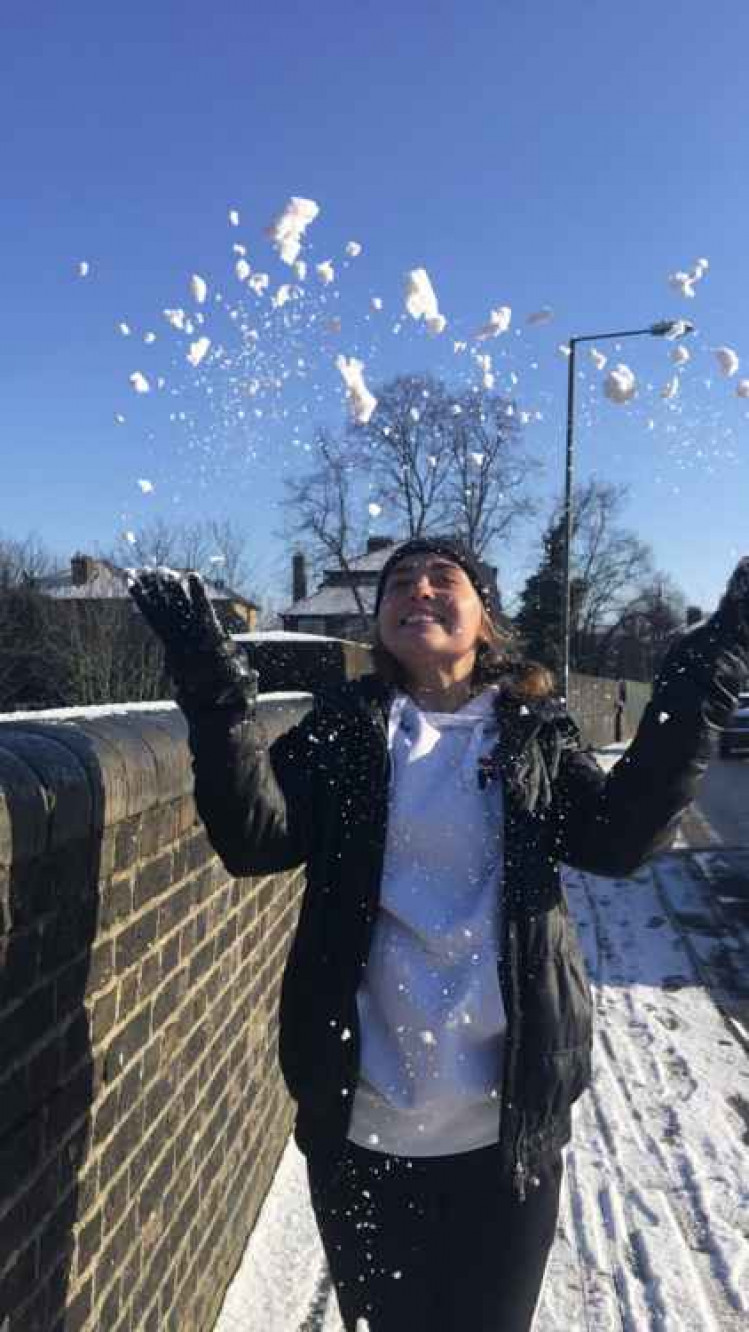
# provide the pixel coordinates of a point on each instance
(207, 667)
(709, 664)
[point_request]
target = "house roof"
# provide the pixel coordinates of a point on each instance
(372, 562)
(109, 581)
(332, 601)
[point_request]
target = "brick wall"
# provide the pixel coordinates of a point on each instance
(142, 1112)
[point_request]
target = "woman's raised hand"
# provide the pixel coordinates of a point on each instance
(210, 670)
(181, 616)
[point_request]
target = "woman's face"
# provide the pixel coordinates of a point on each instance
(430, 613)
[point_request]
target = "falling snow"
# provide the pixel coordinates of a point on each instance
(362, 403)
(198, 289)
(421, 299)
(288, 229)
(620, 384)
(498, 322)
(542, 316)
(198, 350)
(728, 361)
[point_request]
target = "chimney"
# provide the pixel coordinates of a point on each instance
(82, 569)
(298, 577)
(379, 543)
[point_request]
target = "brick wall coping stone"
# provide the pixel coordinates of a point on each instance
(65, 772)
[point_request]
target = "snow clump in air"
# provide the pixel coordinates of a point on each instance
(149, 338)
(353, 249)
(139, 382)
(176, 318)
(233, 217)
(362, 402)
(242, 270)
(564, 349)
(326, 272)
(728, 361)
(282, 296)
(146, 486)
(84, 268)
(671, 388)
(421, 300)
(680, 355)
(198, 351)
(677, 330)
(259, 283)
(376, 302)
(198, 289)
(124, 328)
(742, 388)
(374, 510)
(598, 358)
(498, 322)
(683, 282)
(287, 230)
(542, 316)
(620, 384)
(119, 418)
(485, 366)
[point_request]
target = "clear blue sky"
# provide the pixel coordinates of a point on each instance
(571, 155)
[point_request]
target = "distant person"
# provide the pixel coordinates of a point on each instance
(435, 1020)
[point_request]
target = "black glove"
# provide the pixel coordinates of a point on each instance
(207, 667)
(709, 664)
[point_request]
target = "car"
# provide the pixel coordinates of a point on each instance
(734, 738)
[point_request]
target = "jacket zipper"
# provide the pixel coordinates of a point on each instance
(519, 1166)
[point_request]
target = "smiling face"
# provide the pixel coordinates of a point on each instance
(430, 615)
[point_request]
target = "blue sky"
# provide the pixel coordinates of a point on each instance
(571, 155)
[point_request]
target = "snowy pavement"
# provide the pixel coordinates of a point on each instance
(654, 1220)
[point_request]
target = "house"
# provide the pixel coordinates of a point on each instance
(90, 578)
(332, 610)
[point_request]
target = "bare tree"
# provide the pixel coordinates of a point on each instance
(25, 560)
(214, 547)
(405, 448)
(325, 512)
(610, 564)
(486, 491)
(636, 642)
(446, 462)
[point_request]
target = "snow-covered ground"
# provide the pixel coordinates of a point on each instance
(654, 1220)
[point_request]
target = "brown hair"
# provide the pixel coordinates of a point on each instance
(497, 662)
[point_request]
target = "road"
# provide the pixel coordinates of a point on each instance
(724, 800)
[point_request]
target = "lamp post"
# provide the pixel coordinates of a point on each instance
(664, 328)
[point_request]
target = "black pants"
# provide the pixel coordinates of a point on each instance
(434, 1242)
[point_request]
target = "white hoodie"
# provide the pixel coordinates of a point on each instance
(430, 1008)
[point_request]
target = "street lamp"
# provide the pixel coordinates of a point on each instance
(664, 328)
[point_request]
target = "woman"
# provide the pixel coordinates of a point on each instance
(435, 1023)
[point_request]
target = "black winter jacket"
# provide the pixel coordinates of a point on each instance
(318, 795)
